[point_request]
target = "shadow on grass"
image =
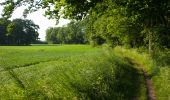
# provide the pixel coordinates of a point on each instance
(123, 84)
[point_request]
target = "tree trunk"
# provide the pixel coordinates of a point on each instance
(150, 41)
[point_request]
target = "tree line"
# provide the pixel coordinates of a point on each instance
(72, 33)
(18, 32)
(133, 23)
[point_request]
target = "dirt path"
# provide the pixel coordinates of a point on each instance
(151, 94)
(150, 90)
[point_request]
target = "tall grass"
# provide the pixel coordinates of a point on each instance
(162, 79)
(157, 65)
(142, 58)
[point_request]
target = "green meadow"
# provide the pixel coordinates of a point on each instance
(73, 72)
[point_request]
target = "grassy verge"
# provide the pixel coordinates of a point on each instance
(157, 65)
(162, 79)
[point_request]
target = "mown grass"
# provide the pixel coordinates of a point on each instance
(68, 72)
(12, 56)
(157, 65)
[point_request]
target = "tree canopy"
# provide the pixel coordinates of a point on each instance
(18, 32)
(54, 8)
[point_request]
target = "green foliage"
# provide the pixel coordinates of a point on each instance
(118, 22)
(161, 80)
(72, 33)
(107, 23)
(3, 26)
(18, 32)
(54, 8)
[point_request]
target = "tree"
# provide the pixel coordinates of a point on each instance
(18, 32)
(72, 33)
(23, 31)
(75, 32)
(3, 36)
(48, 34)
(152, 15)
(73, 9)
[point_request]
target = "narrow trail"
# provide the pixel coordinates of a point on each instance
(150, 90)
(151, 94)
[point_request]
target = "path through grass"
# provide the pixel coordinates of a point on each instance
(157, 66)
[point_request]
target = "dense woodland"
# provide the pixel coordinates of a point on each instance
(134, 23)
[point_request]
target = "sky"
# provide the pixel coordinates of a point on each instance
(38, 18)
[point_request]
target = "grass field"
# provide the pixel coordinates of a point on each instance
(70, 72)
